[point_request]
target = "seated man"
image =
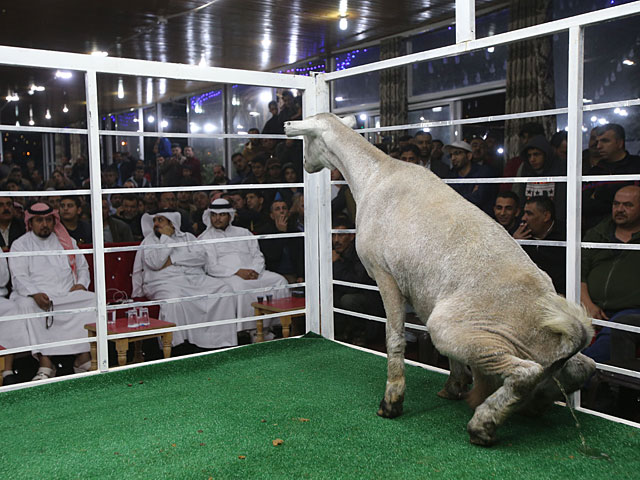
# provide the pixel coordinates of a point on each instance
(10, 226)
(239, 264)
(50, 283)
(70, 211)
(114, 230)
(164, 273)
(506, 211)
(481, 195)
(539, 223)
(14, 333)
(283, 255)
(129, 214)
(348, 268)
(539, 160)
(610, 279)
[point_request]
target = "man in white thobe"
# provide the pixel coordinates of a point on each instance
(166, 273)
(51, 283)
(239, 264)
(13, 333)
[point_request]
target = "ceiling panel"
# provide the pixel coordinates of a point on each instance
(227, 33)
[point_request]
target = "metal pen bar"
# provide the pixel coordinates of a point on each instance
(195, 326)
(26, 316)
(195, 298)
(62, 343)
(465, 121)
(121, 133)
(200, 188)
(615, 325)
(29, 129)
(144, 68)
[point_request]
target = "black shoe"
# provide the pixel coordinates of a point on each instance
(10, 380)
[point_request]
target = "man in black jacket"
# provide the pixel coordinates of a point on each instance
(10, 227)
(597, 197)
(348, 268)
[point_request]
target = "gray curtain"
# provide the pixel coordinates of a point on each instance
(530, 84)
(393, 89)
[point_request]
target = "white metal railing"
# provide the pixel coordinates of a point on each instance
(91, 66)
(319, 298)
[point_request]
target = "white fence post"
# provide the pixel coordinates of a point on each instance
(574, 170)
(93, 138)
(465, 20)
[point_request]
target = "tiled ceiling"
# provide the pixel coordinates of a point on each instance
(226, 33)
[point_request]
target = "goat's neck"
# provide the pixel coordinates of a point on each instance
(358, 161)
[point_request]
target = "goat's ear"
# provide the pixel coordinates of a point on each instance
(349, 121)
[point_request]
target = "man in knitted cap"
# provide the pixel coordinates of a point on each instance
(50, 283)
(168, 273)
(239, 264)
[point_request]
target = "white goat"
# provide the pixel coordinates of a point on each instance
(486, 304)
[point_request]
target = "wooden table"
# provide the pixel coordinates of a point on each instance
(122, 344)
(280, 305)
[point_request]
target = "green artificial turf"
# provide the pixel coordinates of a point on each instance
(216, 416)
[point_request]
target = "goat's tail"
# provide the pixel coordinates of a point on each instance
(567, 319)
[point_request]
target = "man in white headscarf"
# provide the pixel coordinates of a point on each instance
(50, 283)
(239, 264)
(13, 333)
(164, 273)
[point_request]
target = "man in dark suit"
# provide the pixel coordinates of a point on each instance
(10, 227)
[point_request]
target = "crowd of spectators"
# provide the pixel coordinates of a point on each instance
(534, 210)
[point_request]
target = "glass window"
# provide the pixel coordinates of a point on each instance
(206, 115)
(433, 114)
(249, 107)
(461, 71)
(361, 89)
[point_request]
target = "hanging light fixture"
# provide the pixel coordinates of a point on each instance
(120, 89)
(47, 115)
(65, 109)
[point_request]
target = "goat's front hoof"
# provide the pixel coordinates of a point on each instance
(483, 434)
(390, 409)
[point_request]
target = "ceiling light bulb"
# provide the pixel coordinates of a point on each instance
(628, 62)
(120, 89)
(342, 9)
(151, 119)
(31, 122)
(64, 74)
(164, 124)
(203, 61)
(65, 109)
(47, 115)
(343, 24)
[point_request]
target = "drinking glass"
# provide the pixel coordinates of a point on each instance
(132, 318)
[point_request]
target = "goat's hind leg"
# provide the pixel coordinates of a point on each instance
(572, 375)
(520, 378)
(394, 305)
(456, 386)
